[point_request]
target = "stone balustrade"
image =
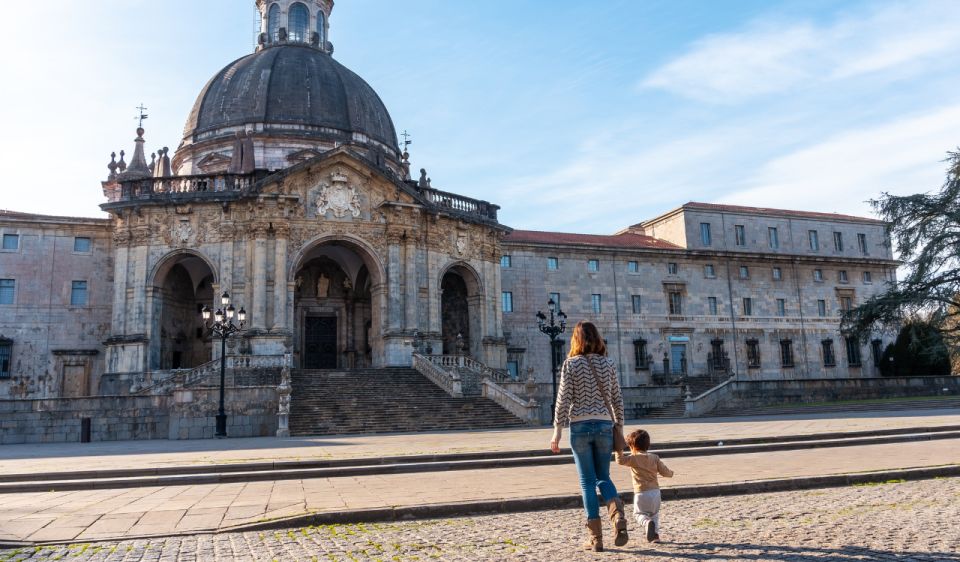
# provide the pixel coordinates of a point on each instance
(436, 371)
(447, 372)
(151, 188)
(458, 204)
(527, 410)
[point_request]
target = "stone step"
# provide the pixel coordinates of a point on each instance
(860, 406)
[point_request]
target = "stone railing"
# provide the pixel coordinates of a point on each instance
(527, 410)
(177, 378)
(448, 380)
(459, 204)
(208, 183)
(707, 402)
(245, 370)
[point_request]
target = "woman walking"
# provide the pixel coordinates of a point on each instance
(588, 383)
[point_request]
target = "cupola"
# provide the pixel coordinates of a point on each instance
(305, 22)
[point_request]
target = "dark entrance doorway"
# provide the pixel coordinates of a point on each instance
(320, 342)
(455, 314)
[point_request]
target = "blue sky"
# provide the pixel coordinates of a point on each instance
(572, 116)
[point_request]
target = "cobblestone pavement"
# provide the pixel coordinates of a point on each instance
(895, 521)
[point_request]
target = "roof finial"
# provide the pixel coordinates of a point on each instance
(112, 166)
(405, 161)
(142, 116)
(122, 166)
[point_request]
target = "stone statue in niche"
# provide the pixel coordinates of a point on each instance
(298, 282)
(323, 286)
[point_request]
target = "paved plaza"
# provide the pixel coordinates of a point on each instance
(895, 521)
(117, 513)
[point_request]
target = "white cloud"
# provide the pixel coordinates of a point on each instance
(841, 173)
(771, 55)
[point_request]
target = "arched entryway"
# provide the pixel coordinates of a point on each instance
(182, 285)
(336, 307)
(460, 300)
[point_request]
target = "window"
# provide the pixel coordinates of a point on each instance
(705, 237)
(814, 240)
(829, 358)
(786, 353)
(633, 267)
(853, 352)
(6, 350)
(708, 271)
(740, 235)
(712, 305)
(846, 303)
(781, 307)
(822, 308)
(553, 264)
(753, 354)
(744, 272)
(640, 354)
(675, 303)
(78, 293)
(842, 276)
(321, 28)
(11, 241)
(838, 241)
(593, 265)
(298, 22)
(747, 306)
(635, 300)
(867, 277)
(773, 238)
(595, 303)
(555, 297)
(876, 348)
(818, 275)
(7, 290)
(273, 23)
(513, 369)
(777, 274)
(81, 244)
(862, 243)
(505, 261)
(506, 299)
(672, 268)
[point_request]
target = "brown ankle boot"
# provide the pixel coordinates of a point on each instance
(595, 539)
(619, 521)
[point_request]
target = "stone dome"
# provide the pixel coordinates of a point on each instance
(291, 90)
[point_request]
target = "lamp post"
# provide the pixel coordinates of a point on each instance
(553, 330)
(223, 327)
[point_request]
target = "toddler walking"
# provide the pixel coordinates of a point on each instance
(646, 490)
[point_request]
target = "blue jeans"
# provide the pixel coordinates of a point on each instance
(592, 444)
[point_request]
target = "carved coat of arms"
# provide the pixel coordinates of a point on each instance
(180, 233)
(339, 197)
(461, 244)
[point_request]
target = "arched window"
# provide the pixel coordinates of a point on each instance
(273, 23)
(321, 28)
(298, 22)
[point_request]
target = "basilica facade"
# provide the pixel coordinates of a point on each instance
(291, 193)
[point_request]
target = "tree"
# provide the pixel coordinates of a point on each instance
(918, 351)
(926, 230)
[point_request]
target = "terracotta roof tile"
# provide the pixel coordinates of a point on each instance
(625, 240)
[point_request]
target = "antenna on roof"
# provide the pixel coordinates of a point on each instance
(142, 116)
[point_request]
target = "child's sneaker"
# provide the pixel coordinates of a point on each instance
(651, 532)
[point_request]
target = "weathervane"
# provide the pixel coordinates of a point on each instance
(142, 115)
(406, 140)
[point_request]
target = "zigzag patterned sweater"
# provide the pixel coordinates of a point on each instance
(578, 397)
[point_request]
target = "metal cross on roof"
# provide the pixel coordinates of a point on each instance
(142, 115)
(406, 139)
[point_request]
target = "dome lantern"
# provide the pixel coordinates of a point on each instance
(304, 22)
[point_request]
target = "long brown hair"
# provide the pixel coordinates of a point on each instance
(586, 339)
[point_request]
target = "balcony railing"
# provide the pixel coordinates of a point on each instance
(459, 204)
(150, 188)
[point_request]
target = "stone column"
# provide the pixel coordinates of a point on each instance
(280, 279)
(394, 295)
(410, 285)
(118, 320)
(259, 276)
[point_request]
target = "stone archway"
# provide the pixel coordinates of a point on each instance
(337, 307)
(182, 285)
(461, 298)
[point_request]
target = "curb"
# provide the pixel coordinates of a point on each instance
(354, 470)
(461, 509)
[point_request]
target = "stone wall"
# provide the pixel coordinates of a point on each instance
(186, 414)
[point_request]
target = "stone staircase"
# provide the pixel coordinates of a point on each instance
(887, 405)
(326, 402)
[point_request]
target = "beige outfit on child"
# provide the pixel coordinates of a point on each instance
(645, 467)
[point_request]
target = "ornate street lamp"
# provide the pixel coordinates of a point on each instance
(553, 330)
(223, 327)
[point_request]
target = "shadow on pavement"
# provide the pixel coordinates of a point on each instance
(749, 551)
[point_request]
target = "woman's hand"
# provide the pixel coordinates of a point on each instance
(555, 441)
